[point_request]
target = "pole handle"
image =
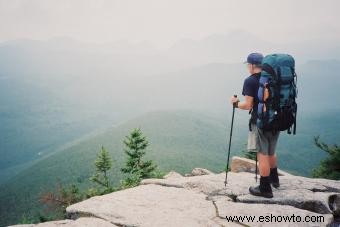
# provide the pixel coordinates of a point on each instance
(234, 104)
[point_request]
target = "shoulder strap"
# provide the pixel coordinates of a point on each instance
(258, 75)
(251, 111)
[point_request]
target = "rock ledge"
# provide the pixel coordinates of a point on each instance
(201, 199)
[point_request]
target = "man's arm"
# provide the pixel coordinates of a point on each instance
(247, 104)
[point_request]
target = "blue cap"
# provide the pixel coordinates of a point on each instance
(254, 58)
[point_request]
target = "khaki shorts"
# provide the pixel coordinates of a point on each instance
(262, 141)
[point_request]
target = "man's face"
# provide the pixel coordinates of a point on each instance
(250, 68)
(253, 68)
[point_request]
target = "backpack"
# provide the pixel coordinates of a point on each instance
(277, 94)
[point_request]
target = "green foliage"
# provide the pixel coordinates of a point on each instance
(135, 166)
(92, 192)
(134, 179)
(56, 201)
(330, 167)
(50, 217)
(103, 164)
(158, 174)
(41, 216)
(26, 218)
(249, 155)
(131, 180)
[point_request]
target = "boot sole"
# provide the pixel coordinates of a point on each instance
(275, 185)
(261, 195)
(265, 196)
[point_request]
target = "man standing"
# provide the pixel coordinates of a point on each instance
(262, 142)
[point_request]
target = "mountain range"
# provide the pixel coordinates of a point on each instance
(62, 99)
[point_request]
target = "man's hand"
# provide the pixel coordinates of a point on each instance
(233, 100)
(247, 104)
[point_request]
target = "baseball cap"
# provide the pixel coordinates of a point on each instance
(254, 58)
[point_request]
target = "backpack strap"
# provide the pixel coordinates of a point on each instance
(294, 128)
(252, 119)
(267, 68)
(253, 115)
(278, 87)
(295, 105)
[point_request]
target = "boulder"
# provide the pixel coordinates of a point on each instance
(239, 164)
(199, 172)
(172, 174)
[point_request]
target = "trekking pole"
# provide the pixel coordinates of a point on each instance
(231, 134)
(256, 167)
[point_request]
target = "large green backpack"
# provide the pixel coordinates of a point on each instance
(278, 111)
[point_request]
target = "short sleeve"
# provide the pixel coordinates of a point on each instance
(249, 88)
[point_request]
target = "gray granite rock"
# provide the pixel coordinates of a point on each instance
(204, 200)
(172, 174)
(239, 164)
(300, 192)
(148, 205)
(80, 222)
(199, 172)
(204, 183)
(267, 214)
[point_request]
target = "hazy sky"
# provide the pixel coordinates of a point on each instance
(163, 22)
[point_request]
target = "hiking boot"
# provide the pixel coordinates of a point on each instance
(264, 189)
(274, 178)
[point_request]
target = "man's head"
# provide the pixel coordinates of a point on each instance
(254, 61)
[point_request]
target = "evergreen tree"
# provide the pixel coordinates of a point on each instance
(135, 166)
(330, 167)
(103, 164)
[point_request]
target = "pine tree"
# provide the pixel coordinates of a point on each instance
(135, 166)
(330, 167)
(103, 164)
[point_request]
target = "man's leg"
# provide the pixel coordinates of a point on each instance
(272, 161)
(257, 138)
(264, 189)
(274, 177)
(264, 164)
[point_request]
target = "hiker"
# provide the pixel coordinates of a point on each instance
(259, 141)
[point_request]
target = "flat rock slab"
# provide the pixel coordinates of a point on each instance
(80, 222)
(149, 205)
(205, 183)
(300, 192)
(301, 198)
